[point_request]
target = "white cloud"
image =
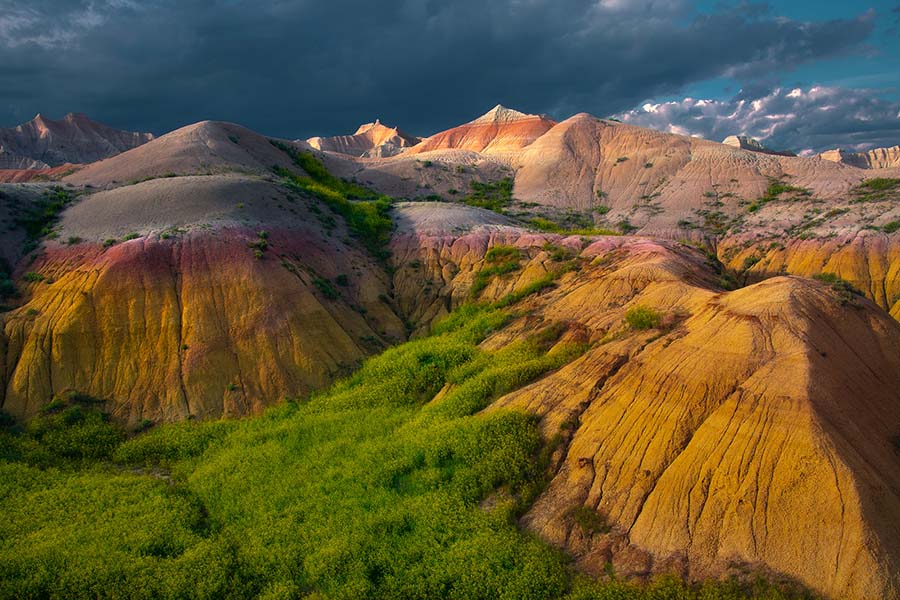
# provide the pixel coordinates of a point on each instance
(801, 120)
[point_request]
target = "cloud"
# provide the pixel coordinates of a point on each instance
(805, 120)
(309, 67)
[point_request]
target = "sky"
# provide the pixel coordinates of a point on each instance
(801, 75)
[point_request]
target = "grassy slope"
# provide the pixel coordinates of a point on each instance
(374, 489)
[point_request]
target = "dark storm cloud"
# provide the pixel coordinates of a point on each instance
(803, 120)
(315, 67)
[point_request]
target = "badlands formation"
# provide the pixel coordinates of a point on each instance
(43, 143)
(750, 421)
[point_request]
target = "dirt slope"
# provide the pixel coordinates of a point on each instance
(204, 148)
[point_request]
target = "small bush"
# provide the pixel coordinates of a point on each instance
(326, 288)
(33, 277)
(891, 227)
(643, 317)
(589, 520)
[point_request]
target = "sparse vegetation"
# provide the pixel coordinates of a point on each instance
(39, 219)
(842, 288)
(643, 317)
(365, 212)
(589, 520)
(494, 196)
(877, 190)
(775, 191)
(891, 227)
(33, 277)
(544, 224)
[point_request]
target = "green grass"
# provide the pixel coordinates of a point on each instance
(643, 317)
(495, 195)
(371, 489)
(878, 189)
(776, 189)
(39, 219)
(366, 213)
(549, 226)
(501, 260)
(891, 227)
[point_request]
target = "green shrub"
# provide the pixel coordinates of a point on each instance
(643, 317)
(589, 520)
(891, 227)
(33, 277)
(326, 288)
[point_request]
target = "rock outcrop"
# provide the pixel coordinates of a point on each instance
(370, 139)
(43, 143)
(879, 158)
(748, 143)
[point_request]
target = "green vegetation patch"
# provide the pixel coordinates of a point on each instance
(500, 260)
(879, 189)
(366, 213)
(367, 490)
(891, 227)
(550, 226)
(40, 218)
(495, 195)
(777, 188)
(643, 317)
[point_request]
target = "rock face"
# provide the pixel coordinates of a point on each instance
(879, 158)
(370, 139)
(43, 143)
(499, 130)
(747, 143)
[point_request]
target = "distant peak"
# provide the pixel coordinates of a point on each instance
(369, 126)
(501, 114)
